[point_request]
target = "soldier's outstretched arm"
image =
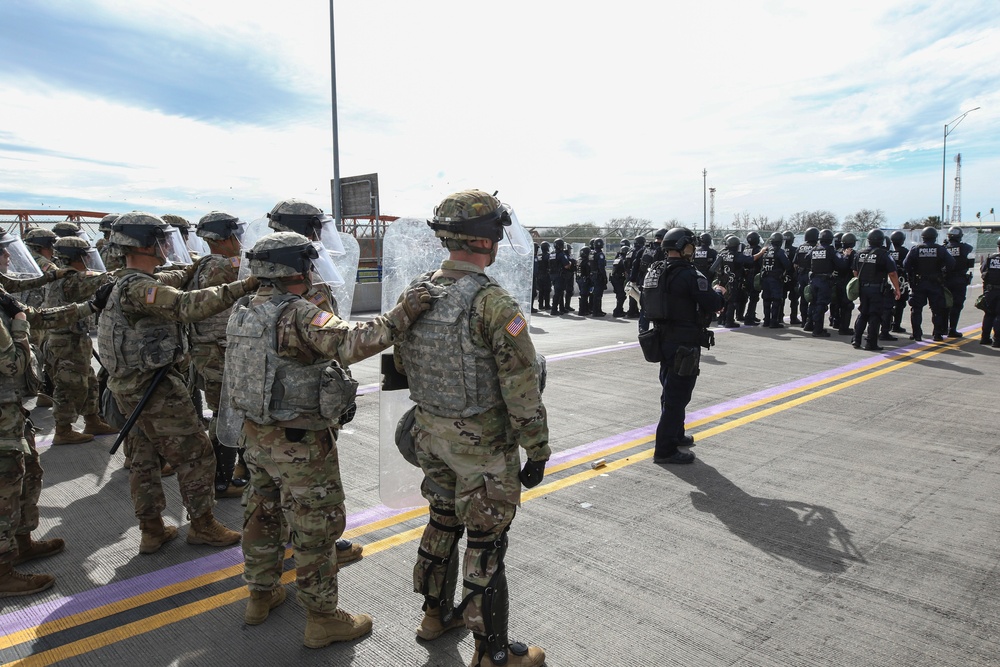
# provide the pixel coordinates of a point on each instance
(505, 330)
(155, 298)
(83, 286)
(177, 278)
(14, 347)
(19, 285)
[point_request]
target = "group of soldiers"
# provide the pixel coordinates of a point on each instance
(270, 349)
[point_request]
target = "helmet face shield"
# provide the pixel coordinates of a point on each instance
(16, 260)
(173, 248)
(516, 236)
(323, 268)
(330, 237)
(92, 260)
(195, 244)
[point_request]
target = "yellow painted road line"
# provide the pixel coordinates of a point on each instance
(165, 618)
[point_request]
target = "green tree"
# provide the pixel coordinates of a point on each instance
(864, 220)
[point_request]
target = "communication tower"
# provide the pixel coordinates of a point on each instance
(956, 207)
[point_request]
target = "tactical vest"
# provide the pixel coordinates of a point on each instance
(145, 345)
(557, 261)
(927, 265)
(597, 262)
(730, 270)
(960, 252)
(992, 276)
(13, 388)
(769, 265)
(821, 260)
(872, 265)
(449, 375)
(802, 252)
(656, 298)
(55, 296)
(211, 329)
(898, 255)
(285, 392)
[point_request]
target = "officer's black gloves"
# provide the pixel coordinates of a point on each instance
(100, 298)
(532, 472)
(10, 305)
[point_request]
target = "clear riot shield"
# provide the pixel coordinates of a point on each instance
(230, 420)
(253, 233)
(409, 249)
(347, 265)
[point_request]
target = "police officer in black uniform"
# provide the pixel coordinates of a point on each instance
(536, 271)
(652, 253)
(583, 280)
(958, 280)
(791, 283)
(823, 260)
(892, 315)
(680, 303)
(557, 268)
(619, 277)
(800, 261)
(845, 306)
(774, 266)
(632, 273)
(872, 266)
(731, 266)
(544, 277)
(926, 265)
(704, 256)
(598, 277)
(990, 270)
(569, 280)
(753, 249)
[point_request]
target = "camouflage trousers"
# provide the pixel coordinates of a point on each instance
(296, 486)
(474, 486)
(67, 358)
(169, 428)
(20, 483)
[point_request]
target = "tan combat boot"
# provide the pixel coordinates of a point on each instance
(43, 401)
(339, 626)
(94, 424)
(518, 655)
(206, 530)
(348, 552)
(14, 583)
(154, 535)
(28, 549)
(261, 603)
(431, 626)
(65, 435)
(167, 470)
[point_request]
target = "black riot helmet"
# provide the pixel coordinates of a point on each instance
(598, 244)
(753, 238)
(544, 247)
(849, 240)
(825, 237)
(584, 252)
(677, 239)
(639, 242)
(837, 239)
(706, 240)
(733, 242)
(955, 235)
(928, 235)
(876, 237)
(812, 235)
(660, 233)
(898, 238)
(625, 243)
(559, 244)
(777, 239)
(789, 237)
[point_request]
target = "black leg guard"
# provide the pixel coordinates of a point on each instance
(225, 462)
(495, 605)
(430, 567)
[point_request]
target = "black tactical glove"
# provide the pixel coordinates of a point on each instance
(532, 472)
(100, 298)
(10, 305)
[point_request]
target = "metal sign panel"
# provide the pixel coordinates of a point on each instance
(358, 196)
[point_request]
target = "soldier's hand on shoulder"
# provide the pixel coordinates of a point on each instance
(415, 301)
(100, 298)
(62, 273)
(10, 305)
(250, 284)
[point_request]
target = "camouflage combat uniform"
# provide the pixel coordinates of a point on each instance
(471, 463)
(112, 260)
(295, 472)
(68, 350)
(169, 426)
(20, 470)
(34, 296)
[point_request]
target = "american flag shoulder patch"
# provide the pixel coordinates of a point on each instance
(151, 295)
(321, 318)
(516, 325)
(317, 298)
(235, 261)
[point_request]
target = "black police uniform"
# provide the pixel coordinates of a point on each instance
(790, 285)
(774, 266)
(892, 317)
(926, 265)
(619, 277)
(731, 267)
(544, 279)
(569, 279)
(583, 281)
(957, 281)
(688, 301)
(557, 269)
(990, 270)
(751, 292)
(800, 262)
(823, 261)
(653, 253)
(704, 258)
(599, 280)
(872, 267)
(632, 267)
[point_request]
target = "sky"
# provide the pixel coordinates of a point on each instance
(574, 112)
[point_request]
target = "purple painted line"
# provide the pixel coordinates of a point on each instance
(143, 584)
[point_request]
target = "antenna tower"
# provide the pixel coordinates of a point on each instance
(711, 208)
(956, 208)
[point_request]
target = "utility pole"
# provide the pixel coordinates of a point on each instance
(704, 200)
(711, 208)
(336, 138)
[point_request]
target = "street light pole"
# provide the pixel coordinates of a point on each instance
(704, 200)
(338, 222)
(944, 153)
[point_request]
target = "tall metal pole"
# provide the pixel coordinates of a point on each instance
(944, 153)
(336, 138)
(704, 200)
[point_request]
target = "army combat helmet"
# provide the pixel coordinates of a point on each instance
(276, 257)
(138, 229)
(219, 226)
(66, 228)
(106, 223)
(472, 215)
(73, 249)
(39, 238)
(301, 217)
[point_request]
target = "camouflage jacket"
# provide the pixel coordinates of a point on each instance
(15, 285)
(74, 288)
(14, 356)
(209, 271)
(56, 318)
(497, 324)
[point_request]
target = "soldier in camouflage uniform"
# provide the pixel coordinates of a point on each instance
(20, 470)
(138, 335)
(40, 242)
(294, 215)
(112, 259)
(67, 228)
(208, 337)
(68, 350)
(474, 409)
(292, 408)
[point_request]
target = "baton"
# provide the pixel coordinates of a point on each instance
(130, 422)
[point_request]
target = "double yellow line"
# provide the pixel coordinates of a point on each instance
(774, 404)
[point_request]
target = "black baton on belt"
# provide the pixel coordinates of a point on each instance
(130, 422)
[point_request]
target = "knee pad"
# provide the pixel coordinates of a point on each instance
(429, 565)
